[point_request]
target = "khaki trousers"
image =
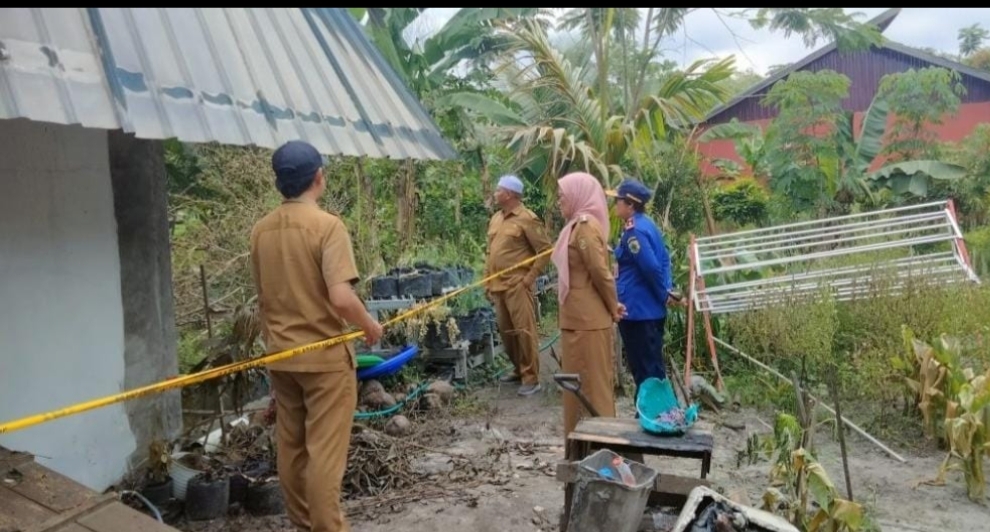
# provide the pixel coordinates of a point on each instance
(314, 414)
(589, 354)
(515, 313)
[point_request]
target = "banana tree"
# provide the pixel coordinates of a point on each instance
(753, 145)
(468, 36)
(813, 153)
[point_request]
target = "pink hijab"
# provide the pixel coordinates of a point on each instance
(581, 194)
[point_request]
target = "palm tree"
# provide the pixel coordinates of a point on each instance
(556, 122)
(971, 39)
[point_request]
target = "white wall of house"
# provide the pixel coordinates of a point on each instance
(61, 318)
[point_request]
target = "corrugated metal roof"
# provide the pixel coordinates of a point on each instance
(870, 65)
(243, 76)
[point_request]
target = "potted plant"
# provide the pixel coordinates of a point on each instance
(158, 482)
(263, 494)
(208, 493)
(433, 328)
(473, 313)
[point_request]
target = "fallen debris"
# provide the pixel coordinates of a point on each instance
(708, 511)
(398, 426)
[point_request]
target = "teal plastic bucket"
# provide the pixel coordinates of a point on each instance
(657, 397)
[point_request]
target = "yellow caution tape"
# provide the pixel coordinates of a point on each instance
(196, 378)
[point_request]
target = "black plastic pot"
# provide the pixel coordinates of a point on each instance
(416, 285)
(158, 494)
(384, 287)
(436, 337)
(472, 327)
(265, 498)
(450, 278)
(238, 488)
(207, 500)
(466, 275)
(437, 281)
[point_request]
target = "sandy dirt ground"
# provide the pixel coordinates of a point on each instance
(529, 499)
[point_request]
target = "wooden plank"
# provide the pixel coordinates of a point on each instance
(630, 428)
(58, 521)
(70, 527)
(116, 517)
(10, 458)
(50, 489)
(627, 432)
(20, 513)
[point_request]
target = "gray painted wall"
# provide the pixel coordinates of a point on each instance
(85, 287)
(61, 322)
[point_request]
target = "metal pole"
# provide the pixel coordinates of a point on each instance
(848, 423)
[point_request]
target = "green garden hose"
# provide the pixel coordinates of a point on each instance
(543, 348)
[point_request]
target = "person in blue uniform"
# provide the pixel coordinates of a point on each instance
(644, 283)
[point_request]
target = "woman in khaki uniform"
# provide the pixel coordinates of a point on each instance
(586, 291)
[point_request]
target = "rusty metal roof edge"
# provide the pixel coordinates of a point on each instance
(351, 27)
(882, 21)
(101, 44)
(411, 134)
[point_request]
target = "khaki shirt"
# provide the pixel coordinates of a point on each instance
(591, 299)
(512, 238)
(297, 252)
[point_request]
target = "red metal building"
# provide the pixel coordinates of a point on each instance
(864, 69)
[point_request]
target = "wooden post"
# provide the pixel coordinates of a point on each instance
(206, 301)
(833, 386)
(689, 351)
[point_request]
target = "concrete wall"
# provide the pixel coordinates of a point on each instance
(137, 171)
(61, 321)
(64, 336)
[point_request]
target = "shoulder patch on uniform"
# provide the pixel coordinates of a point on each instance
(633, 244)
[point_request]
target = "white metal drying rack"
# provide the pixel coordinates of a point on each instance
(852, 256)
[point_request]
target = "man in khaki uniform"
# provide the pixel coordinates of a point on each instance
(304, 271)
(514, 235)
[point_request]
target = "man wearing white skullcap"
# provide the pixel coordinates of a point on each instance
(515, 234)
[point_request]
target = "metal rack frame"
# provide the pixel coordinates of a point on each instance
(889, 249)
(465, 355)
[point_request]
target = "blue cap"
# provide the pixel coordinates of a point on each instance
(631, 189)
(295, 163)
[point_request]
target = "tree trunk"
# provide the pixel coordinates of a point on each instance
(367, 194)
(486, 180)
(406, 219)
(458, 195)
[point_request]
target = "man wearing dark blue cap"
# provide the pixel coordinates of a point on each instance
(643, 283)
(303, 268)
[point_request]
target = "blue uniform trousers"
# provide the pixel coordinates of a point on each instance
(643, 343)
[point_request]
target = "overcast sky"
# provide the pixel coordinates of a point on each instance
(708, 36)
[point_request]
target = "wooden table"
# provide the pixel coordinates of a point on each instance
(625, 436)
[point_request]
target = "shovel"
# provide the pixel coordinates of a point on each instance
(572, 383)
